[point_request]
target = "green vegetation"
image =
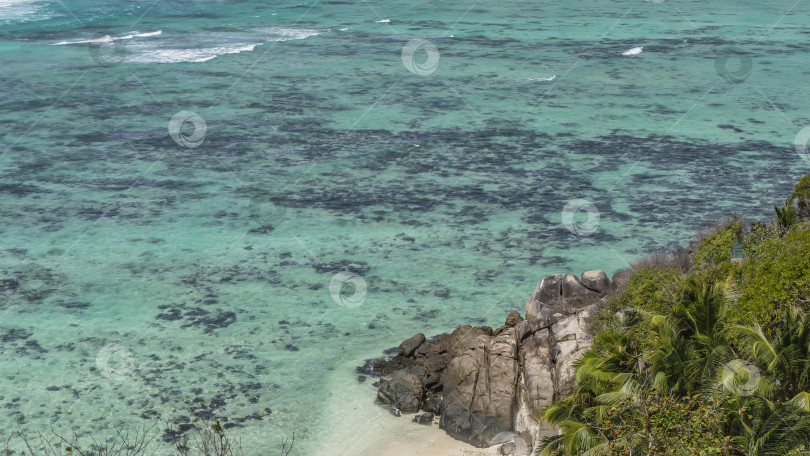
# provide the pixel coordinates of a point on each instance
(713, 254)
(796, 207)
(774, 278)
(701, 355)
(652, 288)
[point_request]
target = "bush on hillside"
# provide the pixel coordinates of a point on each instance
(775, 278)
(652, 289)
(713, 254)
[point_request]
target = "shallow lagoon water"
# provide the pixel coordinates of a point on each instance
(205, 271)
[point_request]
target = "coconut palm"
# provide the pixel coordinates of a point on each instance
(763, 428)
(602, 370)
(797, 206)
(691, 344)
(785, 355)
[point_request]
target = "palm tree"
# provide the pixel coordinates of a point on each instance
(691, 344)
(764, 428)
(688, 354)
(602, 370)
(790, 214)
(785, 355)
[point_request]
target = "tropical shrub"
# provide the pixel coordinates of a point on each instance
(802, 191)
(797, 206)
(713, 254)
(652, 289)
(676, 385)
(659, 424)
(755, 235)
(774, 278)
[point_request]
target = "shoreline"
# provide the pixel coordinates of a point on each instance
(360, 427)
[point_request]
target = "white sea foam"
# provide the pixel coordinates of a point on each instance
(288, 33)
(634, 51)
(170, 50)
(21, 10)
(187, 55)
(384, 21)
(109, 39)
(10, 3)
(550, 78)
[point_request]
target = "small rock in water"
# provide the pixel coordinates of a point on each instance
(394, 411)
(361, 378)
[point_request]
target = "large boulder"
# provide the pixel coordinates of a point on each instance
(434, 365)
(574, 291)
(408, 347)
(402, 389)
(596, 280)
(548, 293)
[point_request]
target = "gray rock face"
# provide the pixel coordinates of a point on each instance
(409, 346)
(538, 369)
(479, 389)
(596, 281)
(484, 383)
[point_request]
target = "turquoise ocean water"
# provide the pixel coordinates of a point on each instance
(342, 174)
